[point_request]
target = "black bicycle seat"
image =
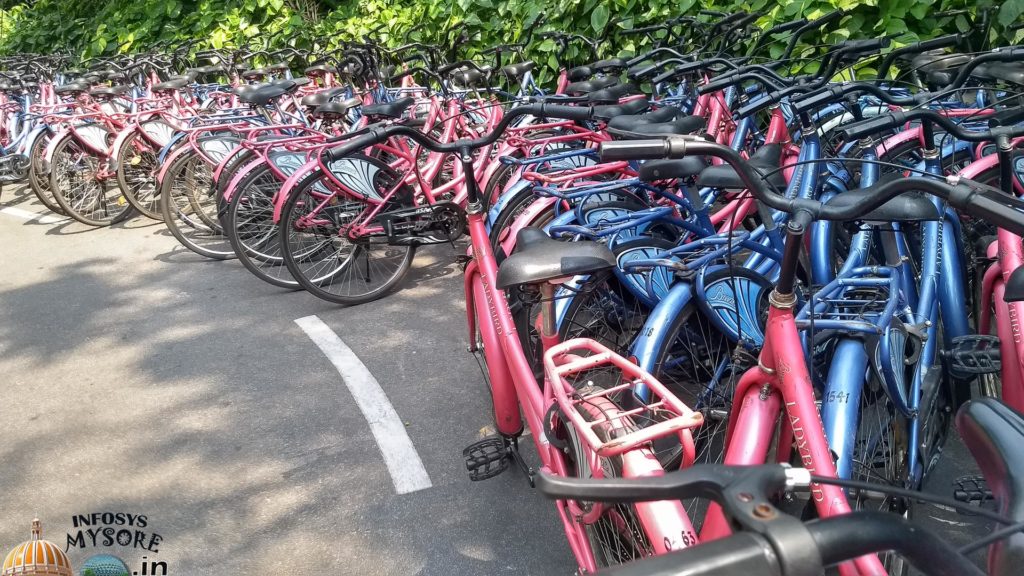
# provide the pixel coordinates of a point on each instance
(628, 109)
(108, 91)
(626, 128)
(518, 69)
(907, 207)
(389, 109)
(263, 94)
(588, 86)
(538, 258)
(471, 77)
(336, 109)
(994, 433)
(320, 70)
(612, 94)
(654, 170)
(314, 100)
(173, 83)
(764, 161)
(1009, 72)
(71, 88)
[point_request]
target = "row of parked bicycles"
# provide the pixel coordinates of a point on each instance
(739, 305)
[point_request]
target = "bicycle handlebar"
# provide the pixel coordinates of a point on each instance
(375, 135)
(977, 199)
(874, 125)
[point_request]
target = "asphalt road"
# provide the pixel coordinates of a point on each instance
(141, 378)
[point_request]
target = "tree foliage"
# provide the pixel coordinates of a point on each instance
(97, 27)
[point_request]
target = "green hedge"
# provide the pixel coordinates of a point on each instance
(93, 27)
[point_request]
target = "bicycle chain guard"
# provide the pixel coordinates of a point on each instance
(439, 223)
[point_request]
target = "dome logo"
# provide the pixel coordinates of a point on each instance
(104, 565)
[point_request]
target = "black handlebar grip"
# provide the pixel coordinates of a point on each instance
(633, 150)
(828, 18)
(940, 42)
(990, 204)
(859, 130)
(563, 112)
(817, 99)
(786, 27)
(868, 45)
(756, 106)
(352, 146)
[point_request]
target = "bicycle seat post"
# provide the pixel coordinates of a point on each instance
(548, 328)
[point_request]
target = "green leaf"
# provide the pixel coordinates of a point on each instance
(1011, 10)
(599, 18)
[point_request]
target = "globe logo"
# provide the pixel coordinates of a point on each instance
(104, 565)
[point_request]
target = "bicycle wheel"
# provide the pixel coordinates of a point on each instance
(314, 234)
(38, 178)
(81, 190)
(617, 535)
(137, 167)
(189, 208)
(249, 225)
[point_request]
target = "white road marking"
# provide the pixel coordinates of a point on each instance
(26, 215)
(403, 462)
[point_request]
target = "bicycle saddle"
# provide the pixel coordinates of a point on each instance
(1009, 72)
(1015, 286)
(764, 161)
(256, 73)
(907, 207)
(320, 70)
(588, 86)
(612, 110)
(338, 108)
(108, 91)
(172, 83)
(72, 88)
(609, 65)
(538, 258)
(633, 127)
(654, 170)
(389, 109)
(263, 94)
(994, 433)
(314, 100)
(204, 70)
(612, 94)
(579, 73)
(470, 77)
(518, 69)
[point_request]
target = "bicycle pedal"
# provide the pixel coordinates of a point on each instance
(974, 354)
(487, 458)
(971, 489)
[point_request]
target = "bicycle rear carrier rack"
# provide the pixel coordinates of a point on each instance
(608, 382)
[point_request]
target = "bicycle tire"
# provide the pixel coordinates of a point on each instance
(80, 194)
(182, 191)
(249, 225)
(38, 179)
(341, 267)
(136, 176)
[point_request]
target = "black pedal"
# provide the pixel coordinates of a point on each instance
(973, 355)
(971, 489)
(487, 458)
